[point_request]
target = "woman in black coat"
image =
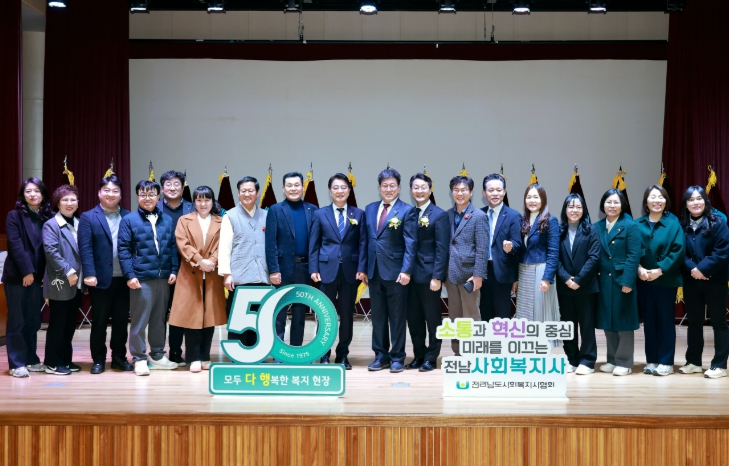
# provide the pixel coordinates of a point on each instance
(577, 286)
(23, 276)
(705, 276)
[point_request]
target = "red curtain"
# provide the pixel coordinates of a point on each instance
(86, 101)
(11, 105)
(696, 125)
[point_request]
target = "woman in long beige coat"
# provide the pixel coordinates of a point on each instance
(199, 303)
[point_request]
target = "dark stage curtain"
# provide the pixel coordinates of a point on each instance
(86, 102)
(11, 105)
(696, 126)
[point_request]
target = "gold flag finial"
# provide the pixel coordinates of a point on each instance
(68, 172)
(270, 170)
(463, 171)
(110, 170)
(223, 175)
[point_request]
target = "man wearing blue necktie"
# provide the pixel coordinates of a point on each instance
(338, 259)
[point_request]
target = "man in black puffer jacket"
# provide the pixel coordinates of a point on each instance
(148, 257)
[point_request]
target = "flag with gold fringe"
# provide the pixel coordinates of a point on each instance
(310, 194)
(67, 172)
(268, 198)
(110, 170)
(463, 171)
(712, 190)
(432, 189)
(619, 183)
(506, 195)
(186, 194)
(225, 191)
(533, 179)
(352, 199)
(665, 182)
(575, 187)
(151, 172)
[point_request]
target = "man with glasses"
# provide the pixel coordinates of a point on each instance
(98, 235)
(172, 204)
(431, 261)
(391, 247)
(338, 259)
(149, 262)
(287, 250)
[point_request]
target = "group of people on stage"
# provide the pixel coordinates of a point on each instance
(132, 264)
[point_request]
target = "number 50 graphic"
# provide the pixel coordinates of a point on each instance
(263, 322)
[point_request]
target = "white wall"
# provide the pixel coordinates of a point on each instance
(200, 115)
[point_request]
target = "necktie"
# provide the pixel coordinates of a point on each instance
(491, 228)
(383, 216)
(340, 221)
(417, 211)
(457, 220)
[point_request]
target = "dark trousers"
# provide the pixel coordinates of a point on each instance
(24, 321)
(424, 311)
(495, 297)
(389, 301)
(343, 293)
(111, 302)
(300, 276)
(61, 327)
(249, 337)
(580, 310)
(699, 295)
(658, 305)
(198, 342)
(175, 334)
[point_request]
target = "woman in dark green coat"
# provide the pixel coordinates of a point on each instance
(617, 307)
(662, 254)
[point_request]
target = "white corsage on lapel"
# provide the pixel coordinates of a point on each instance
(393, 223)
(424, 221)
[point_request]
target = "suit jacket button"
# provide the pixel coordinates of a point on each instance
(453, 242)
(610, 257)
(609, 275)
(612, 242)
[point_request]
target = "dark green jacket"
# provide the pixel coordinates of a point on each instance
(619, 258)
(663, 247)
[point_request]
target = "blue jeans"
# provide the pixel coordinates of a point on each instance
(24, 321)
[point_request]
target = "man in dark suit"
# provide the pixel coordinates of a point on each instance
(172, 204)
(288, 226)
(431, 263)
(338, 258)
(391, 246)
(503, 252)
(98, 232)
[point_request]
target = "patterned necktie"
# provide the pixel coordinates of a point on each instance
(456, 221)
(491, 228)
(340, 221)
(383, 216)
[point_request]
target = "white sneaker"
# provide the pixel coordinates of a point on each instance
(690, 369)
(571, 368)
(36, 367)
(622, 370)
(19, 372)
(715, 373)
(161, 364)
(607, 367)
(206, 365)
(584, 370)
(140, 368)
(195, 366)
(664, 369)
(650, 369)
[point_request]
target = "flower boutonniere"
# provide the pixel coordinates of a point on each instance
(264, 228)
(353, 221)
(466, 217)
(394, 223)
(424, 221)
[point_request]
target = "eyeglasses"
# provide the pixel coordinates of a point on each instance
(388, 187)
(248, 191)
(461, 191)
(147, 196)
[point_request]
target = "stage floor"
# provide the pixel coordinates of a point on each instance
(410, 393)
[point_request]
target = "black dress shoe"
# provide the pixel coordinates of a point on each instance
(345, 362)
(427, 366)
(97, 368)
(414, 364)
(324, 360)
(121, 364)
(378, 365)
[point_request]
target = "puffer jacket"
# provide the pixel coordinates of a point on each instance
(138, 254)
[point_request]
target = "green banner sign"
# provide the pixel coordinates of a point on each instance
(277, 379)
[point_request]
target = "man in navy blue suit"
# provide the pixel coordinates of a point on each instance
(338, 259)
(98, 232)
(288, 226)
(431, 263)
(391, 247)
(172, 204)
(506, 243)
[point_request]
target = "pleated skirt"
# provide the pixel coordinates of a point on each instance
(533, 304)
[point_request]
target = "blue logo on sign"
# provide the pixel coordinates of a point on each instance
(462, 385)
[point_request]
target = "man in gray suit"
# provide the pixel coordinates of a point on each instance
(468, 247)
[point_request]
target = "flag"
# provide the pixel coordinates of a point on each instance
(360, 292)
(712, 190)
(533, 179)
(432, 197)
(506, 195)
(151, 172)
(268, 198)
(186, 194)
(351, 200)
(575, 187)
(666, 183)
(619, 183)
(310, 194)
(110, 170)
(225, 192)
(67, 172)
(463, 171)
